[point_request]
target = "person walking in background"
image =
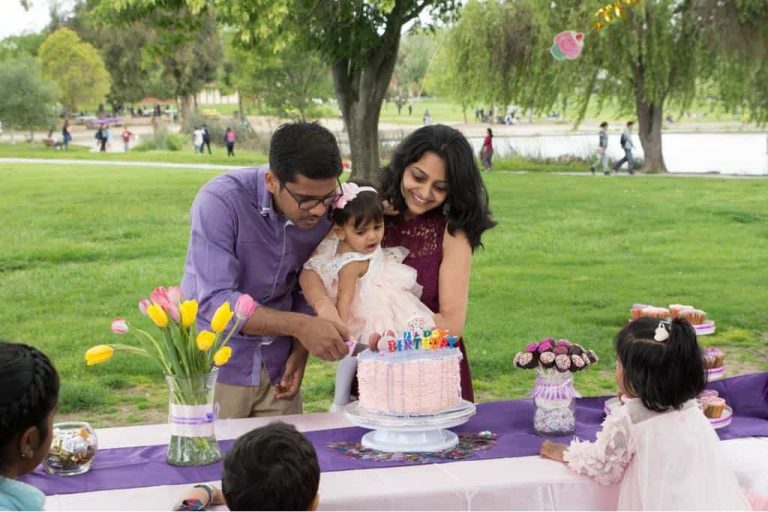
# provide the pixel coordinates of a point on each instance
(601, 156)
(127, 135)
(206, 139)
(197, 140)
(107, 134)
(101, 139)
(66, 135)
(229, 140)
(486, 153)
(627, 146)
(427, 118)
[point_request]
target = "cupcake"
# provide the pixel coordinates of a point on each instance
(654, 312)
(674, 309)
(713, 407)
(637, 310)
(714, 357)
(527, 360)
(591, 355)
(692, 316)
(708, 393)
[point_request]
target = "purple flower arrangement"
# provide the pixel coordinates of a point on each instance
(562, 355)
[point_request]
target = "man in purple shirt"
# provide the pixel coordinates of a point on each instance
(252, 230)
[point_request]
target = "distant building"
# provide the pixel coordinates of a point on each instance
(212, 96)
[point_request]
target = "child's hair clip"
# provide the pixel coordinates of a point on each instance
(661, 333)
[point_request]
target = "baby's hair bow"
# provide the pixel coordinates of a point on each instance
(349, 192)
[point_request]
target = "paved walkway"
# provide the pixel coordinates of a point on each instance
(174, 165)
(118, 163)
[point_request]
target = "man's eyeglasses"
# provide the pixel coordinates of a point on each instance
(311, 202)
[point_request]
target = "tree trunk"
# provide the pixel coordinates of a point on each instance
(186, 108)
(240, 106)
(360, 89)
(649, 117)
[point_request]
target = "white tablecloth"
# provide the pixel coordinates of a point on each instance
(520, 483)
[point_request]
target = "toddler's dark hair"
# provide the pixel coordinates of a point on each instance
(364, 208)
(29, 391)
(662, 374)
(273, 467)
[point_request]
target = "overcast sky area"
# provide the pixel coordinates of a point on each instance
(14, 20)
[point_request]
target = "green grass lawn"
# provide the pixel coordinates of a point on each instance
(185, 156)
(80, 246)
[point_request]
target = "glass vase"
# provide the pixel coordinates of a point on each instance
(554, 399)
(191, 419)
(73, 448)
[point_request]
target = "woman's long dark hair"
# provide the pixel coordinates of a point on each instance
(466, 206)
(662, 374)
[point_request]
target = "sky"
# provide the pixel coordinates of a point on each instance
(15, 20)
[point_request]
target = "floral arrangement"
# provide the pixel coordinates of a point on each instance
(561, 355)
(180, 350)
(189, 359)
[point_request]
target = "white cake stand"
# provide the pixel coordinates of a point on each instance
(409, 433)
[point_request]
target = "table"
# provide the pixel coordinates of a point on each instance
(520, 483)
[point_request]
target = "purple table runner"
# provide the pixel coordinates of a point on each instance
(512, 421)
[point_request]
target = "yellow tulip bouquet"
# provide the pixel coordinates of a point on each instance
(190, 361)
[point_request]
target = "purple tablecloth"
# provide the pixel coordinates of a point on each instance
(123, 468)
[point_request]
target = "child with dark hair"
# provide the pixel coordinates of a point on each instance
(658, 444)
(371, 288)
(30, 393)
(273, 467)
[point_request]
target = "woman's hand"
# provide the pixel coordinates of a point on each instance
(552, 450)
(389, 209)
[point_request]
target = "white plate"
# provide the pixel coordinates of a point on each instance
(714, 374)
(704, 329)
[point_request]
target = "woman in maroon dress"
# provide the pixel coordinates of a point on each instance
(441, 205)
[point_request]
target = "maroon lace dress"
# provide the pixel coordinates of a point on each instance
(423, 237)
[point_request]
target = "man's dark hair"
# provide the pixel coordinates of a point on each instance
(604, 125)
(304, 148)
(663, 374)
(273, 467)
(630, 123)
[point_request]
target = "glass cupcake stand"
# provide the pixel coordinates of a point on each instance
(409, 433)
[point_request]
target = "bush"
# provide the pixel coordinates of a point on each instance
(163, 141)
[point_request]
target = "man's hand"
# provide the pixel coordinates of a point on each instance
(552, 450)
(290, 384)
(323, 338)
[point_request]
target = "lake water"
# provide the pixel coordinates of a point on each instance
(726, 153)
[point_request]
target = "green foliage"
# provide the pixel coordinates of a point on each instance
(76, 67)
(286, 82)
(27, 101)
(16, 46)
(417, 50)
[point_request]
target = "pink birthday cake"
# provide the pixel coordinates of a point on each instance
(411, 378)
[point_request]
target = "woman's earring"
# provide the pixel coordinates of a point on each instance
(446, 208)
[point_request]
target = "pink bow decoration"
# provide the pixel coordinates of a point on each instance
(349, 192)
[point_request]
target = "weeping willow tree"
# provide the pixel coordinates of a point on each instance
(660, 53)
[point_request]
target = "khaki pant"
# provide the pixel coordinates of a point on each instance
(253, 401)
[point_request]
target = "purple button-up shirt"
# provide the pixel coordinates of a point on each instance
(239, 244)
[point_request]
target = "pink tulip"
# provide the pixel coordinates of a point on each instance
(119, 326)
(175, 295)
(245, 306)
(160, 296)
(172, 311)
(143, 304)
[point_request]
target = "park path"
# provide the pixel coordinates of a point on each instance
(216, 167)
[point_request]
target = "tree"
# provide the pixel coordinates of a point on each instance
(15, 46)
(358, 39)
(122, 51)
(27, 101)
(661, 52)
(413, 60)
(76, 67)
(287, 81)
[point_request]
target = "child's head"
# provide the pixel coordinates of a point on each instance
(358, 217)
(659, 362)
(274, 467)
(30, 393)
